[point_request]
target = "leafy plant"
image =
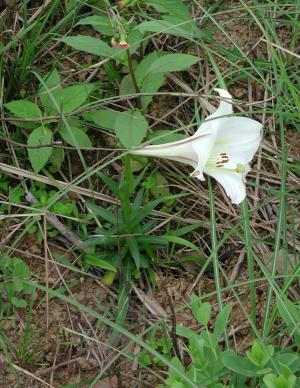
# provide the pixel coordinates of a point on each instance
(123, 241)
(210, 366)
(54, 99)
(14, 276)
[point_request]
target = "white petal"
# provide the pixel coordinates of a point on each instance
(203, 149)
(181, 151)
(239, 139)
(224, 109)
(232, 182)
(212, 125)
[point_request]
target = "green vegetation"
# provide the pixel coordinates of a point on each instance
(163, 281)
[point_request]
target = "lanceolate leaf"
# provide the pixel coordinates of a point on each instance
(89, 44)
(39, 156)
(173, 26)
(172, 62)
(100, 23)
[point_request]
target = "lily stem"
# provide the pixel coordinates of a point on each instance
(135, 85)
(214, 251)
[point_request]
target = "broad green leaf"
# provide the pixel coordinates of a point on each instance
(77, 137)
(23, 109)
(57, 158)
(131, 127)
(173, 62)
(151, 84)
(281, 381)
(39, 156)
(290, 315)
(73, 97)
(177, 365)
(134, 39)
(161, 187)
(173, 26)
(104, 118)
(238, 364)
(172, 7)
(126, 86)
(95, 261)
(142, 69)
(259, 355)
(88, 44)
(21, 303)
(100, 23)
(67, 100)
(51, 87)
(201, 311)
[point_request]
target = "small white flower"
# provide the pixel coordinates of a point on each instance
(222, 147)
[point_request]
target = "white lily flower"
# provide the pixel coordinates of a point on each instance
(222, 147)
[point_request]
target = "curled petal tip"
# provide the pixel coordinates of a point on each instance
(223, 93)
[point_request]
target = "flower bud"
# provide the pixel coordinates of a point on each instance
(113, 42)
(123, 44)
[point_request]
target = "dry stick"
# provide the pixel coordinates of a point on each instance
(37, 12)
(46, 264)
(56, 183)
(54, 221)
(25, 372)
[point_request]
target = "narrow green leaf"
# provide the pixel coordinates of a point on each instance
(103, 213)
(134, 250)
(181, 241)
(221, 321)
(95, 261)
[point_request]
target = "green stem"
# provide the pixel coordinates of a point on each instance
(214, 251)
(135, 85)
(250, 261)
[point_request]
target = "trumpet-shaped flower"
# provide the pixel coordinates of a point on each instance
(222, 147)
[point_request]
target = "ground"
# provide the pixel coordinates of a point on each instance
(56, 344)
